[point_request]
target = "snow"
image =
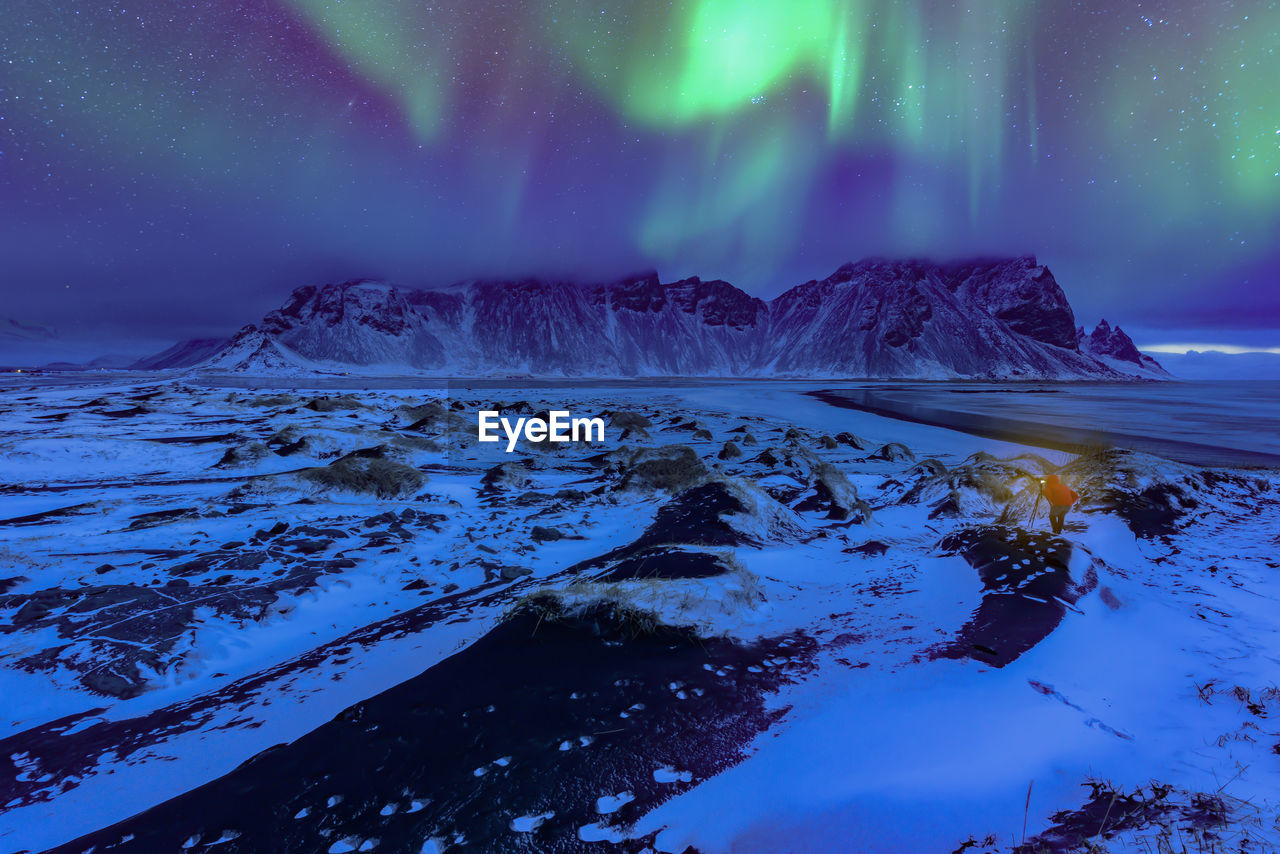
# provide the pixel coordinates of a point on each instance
(947, 314)
(600, 833)
(606, 804)
(667, 774)
(529, 823)
(880, 740)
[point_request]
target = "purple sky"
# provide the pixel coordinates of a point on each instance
(171, 171)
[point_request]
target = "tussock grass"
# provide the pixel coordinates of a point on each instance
(379, 477)
(648, 606)
(671, 468)
(1153, 819)
(270, 400)
(333, 404)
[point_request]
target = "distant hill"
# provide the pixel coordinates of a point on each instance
(184, 354)
(1216, 365)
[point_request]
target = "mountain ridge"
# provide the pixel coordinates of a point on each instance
(994, 318)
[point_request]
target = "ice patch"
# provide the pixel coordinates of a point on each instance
(529, 823)
(668, 774)
(612, 803)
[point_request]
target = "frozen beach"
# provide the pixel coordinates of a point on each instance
(250, 618)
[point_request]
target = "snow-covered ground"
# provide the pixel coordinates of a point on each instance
(747, 621)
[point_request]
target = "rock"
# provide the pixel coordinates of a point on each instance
(871, 548)
(948, 507)
(833, 493)
(627, 421)
(730, 451)
(427, 416)
(242, 455)
(291, 448)
(507, 476)
(846, 438)
(541, 534)
(1109, 598)
(766, 458)
(671, 468)
(379, 477)
(892, 452)
(331, 404)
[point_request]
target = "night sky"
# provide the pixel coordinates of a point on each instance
(174, 169)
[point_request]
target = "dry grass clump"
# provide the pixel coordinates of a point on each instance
(671, 468)
(622, 419)
(375, 476)
(646, 606)
(333, 404)
(270, 400)
(243, 454)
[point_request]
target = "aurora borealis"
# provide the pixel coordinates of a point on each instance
(179, 166)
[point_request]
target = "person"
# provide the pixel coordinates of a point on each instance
(1060, 498)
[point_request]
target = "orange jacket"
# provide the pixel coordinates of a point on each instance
(1058, 493)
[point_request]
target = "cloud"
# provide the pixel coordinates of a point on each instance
(1204, 348)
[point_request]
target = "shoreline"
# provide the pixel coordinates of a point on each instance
(1042, 435)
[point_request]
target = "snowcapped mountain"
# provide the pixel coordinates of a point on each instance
(999, 318)
(252, 352)
(1117, 349)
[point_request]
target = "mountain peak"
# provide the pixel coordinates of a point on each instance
(1111, 343)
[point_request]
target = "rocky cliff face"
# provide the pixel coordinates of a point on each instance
(1115, 348)
(998, 318)
(359, 323)
(1001, 318)
(184, 354)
